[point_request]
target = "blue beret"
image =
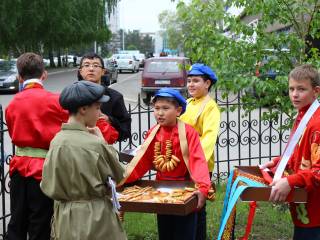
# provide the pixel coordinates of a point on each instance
(172, 93)
(81, 94)
(199, 69)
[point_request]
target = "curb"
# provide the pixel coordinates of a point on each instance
(61, 71)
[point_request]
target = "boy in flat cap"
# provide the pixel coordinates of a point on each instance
(173, 149)
(204, 115)
(77, 167)
(33, 118)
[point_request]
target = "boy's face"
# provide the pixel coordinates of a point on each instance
(91, 70)
(166, 112)
(302, 93)
(91, 114)
(197, 87)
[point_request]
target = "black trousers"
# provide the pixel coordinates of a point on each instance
(31, 210)
(202, 221)
(202, 224)
(171, 227)
(306, 233)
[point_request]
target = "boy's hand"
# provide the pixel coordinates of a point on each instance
(105, 117)
(280, 190)
(201, 199)
(95, 131)
(267, 165)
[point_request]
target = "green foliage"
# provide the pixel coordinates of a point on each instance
(207, 33)
(40, 26)
(131, 47)
(135, 41)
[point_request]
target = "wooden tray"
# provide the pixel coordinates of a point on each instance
(161, 208)
(263, 193)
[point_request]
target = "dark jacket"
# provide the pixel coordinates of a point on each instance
(116, 110)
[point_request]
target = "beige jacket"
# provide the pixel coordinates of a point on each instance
(74, 175)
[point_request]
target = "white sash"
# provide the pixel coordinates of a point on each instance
(294, 140)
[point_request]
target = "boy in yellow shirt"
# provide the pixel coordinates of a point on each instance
(203, 114)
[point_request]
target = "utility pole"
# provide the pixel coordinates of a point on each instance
(122, 39)
(95, 47)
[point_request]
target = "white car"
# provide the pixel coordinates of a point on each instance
(127, 62)
(141, 57)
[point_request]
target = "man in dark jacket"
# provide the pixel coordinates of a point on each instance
(114, 111)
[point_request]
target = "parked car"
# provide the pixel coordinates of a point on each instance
(141, 57)
(8, 76)
(164, 72)
(127, 62)
(111, 75)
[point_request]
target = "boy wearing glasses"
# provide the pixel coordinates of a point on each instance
(114, 112)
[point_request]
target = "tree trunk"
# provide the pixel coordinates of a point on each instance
(52, 64)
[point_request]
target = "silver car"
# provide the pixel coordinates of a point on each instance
(8, 76)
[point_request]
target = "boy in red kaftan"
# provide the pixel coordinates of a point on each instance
(304, 165)
(168, 105)
(33, 118)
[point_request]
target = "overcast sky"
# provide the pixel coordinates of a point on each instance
(143, 14)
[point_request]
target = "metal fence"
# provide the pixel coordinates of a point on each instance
(243, 139)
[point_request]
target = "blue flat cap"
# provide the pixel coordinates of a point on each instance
(81, 94)
(172, 93)
(199, 69)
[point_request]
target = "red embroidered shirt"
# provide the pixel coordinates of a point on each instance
(197, 162)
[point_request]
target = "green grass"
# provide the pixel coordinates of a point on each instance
(272, 222)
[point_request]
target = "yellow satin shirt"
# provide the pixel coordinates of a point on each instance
(206, 124)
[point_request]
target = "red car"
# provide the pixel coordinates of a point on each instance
(164, 72)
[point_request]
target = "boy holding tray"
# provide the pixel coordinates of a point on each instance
(304, 163)
(173, 149)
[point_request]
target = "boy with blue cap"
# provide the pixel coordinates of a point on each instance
(173, 149)
(203, 114)
(76, 169)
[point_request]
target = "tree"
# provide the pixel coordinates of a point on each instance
(173, 28)
(136, 41)
(233, 48)
(48, 26)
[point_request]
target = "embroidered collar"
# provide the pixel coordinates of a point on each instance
(32, 83)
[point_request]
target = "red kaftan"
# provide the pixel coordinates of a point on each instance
(304, 165)
(33, 118)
